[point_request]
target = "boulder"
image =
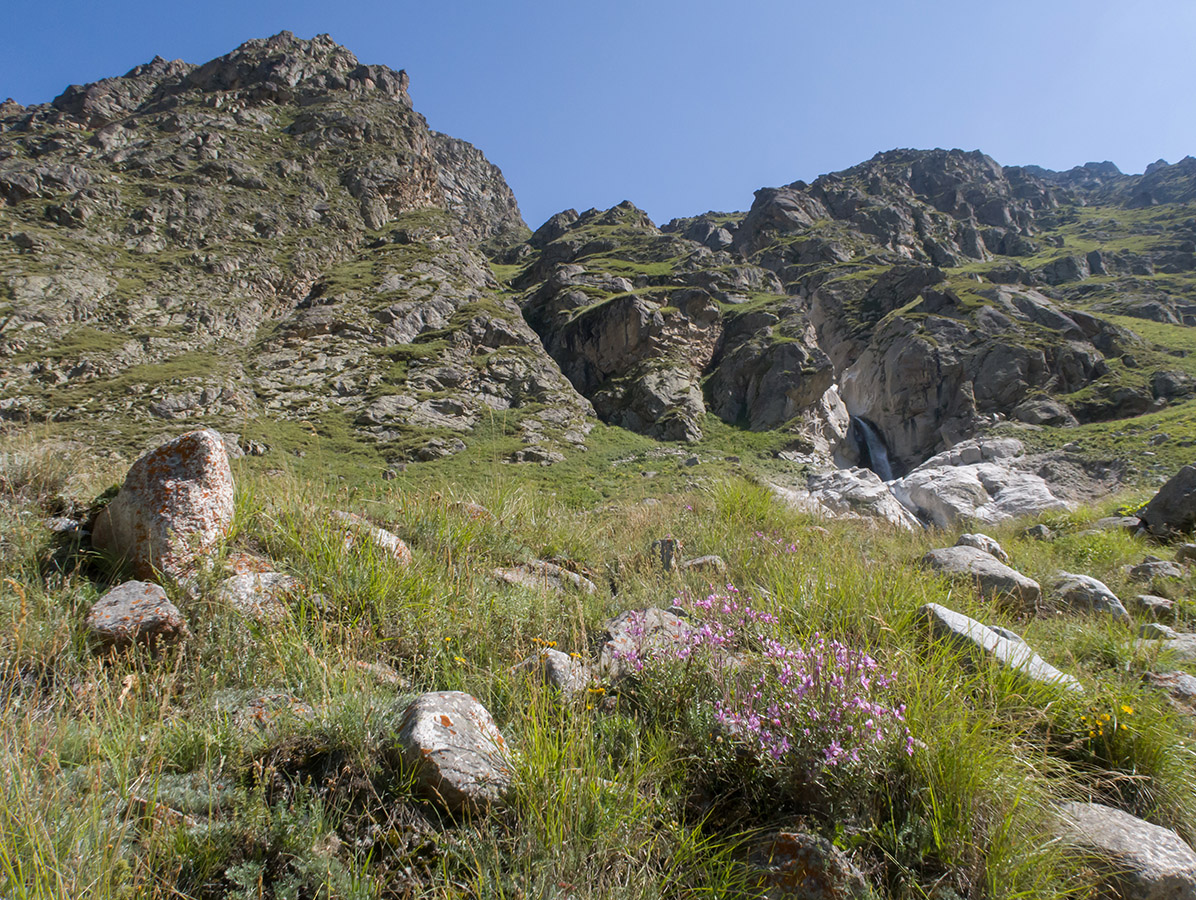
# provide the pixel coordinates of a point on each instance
(1145, 861)
(135, 613)
(973, 636)
(1150, 569)
(710, 563)
(1086, 593)
(849, 493)
(1173, 509)
(458, 755)
(174, 507)
(1156, 607)
(985, 543)
(1185, 553)
(809, 867)
(976, 480)
(992, 578)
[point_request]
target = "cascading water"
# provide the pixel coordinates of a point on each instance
(873, 452)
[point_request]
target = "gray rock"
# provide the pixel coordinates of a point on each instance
(638, 635)
(174, 507)
(985, 543)
(1185, 553)
(540, 575)
(1179, 685)
(1043, 412)
(459, 757)
(1179, 646)
(945, 624)
(564, 672)
(1173, 509)
(849, 493)
(993, 579)
(1117, 523)
(1150, 569)
(709, 563)
(357, 531)
(1145, 861)
(135, 613)
(1156, 631)
(259, 595)
(1011, 636)
(1157, 607)
(1039, 532)
(1085, 593)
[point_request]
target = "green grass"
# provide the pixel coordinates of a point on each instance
(136, 776)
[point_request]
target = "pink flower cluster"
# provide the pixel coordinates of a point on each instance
(775, 542)
(821, 706)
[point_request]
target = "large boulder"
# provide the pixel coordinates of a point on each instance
(1145, 861)
(806, 866)
(975, 637)
(993, 579)
(135, 613)
(174, 507)
(849, 493)
(458, 755)
(1173, 509)
(976, 480)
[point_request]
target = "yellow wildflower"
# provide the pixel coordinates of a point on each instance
(1128, 710)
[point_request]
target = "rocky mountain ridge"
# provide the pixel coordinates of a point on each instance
(276, 243)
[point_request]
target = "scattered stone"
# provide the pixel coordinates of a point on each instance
(692, 461)
(985, 543)
(1038, 533)
(1157, 607)
(240, 563)
(1156, 631)
(266, 710)
(255, 448)
(259, 595)
(135, 613)
(668, 551)
(946, 624)
(541, 575)
(639, 634)
(1150, 569)
(1173, 509)
(808, 867)
(358, 530)
(1180, 686)
(1185, 553)
(709, 563)
(1146, 862)
(174, 507)
(1180, 646)
(1129, 524)
(993, 579)
(475, 512)
(381, 673)
(455, 749)
(1086, 593)
(564, 672)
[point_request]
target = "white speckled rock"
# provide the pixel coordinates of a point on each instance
(457, 752)
(174, 507)
(1147, 862)
(135, 612)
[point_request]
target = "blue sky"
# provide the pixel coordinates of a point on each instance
(687, 106)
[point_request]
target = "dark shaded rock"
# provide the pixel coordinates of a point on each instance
(805, 866)
(1173, 509)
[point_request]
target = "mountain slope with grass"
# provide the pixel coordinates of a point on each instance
(792, 552)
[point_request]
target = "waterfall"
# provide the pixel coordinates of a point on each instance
(873, 452)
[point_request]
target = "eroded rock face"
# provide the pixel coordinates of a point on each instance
(1144, 861)
(992, 578)
(460, 757)
(135, 613)
(174, 507)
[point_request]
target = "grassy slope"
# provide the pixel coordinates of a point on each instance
(624, 792)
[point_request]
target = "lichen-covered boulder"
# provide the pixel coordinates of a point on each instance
(260, 596)
(1145, 861)
(135, 613)
(174, 507)
(457, 753)
(809, 867)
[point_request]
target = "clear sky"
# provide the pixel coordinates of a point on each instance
(686, 105)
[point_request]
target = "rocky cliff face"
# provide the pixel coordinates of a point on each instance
(275, 234)
(277, 237)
